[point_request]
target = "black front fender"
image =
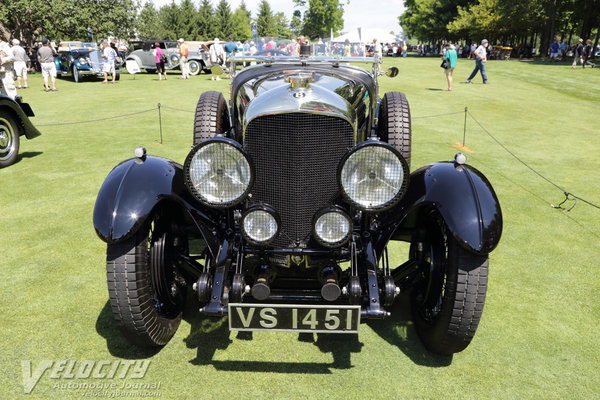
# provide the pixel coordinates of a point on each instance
(22, 111)
(464, 198)
(132, 190)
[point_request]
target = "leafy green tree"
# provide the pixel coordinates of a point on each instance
(29, 20)
(223, 21)
(296, 23)
(265, 21)
(206, 21)
(170, 20)
(189, 20)
(321, 17)
(240, 23)
(282, 26)
(147, 22)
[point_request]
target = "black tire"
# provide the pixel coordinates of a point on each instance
(394, 123)
(76, 75)
(195, 67)
(9, 139)
(447, 301)
(212, 116)
(140, 276)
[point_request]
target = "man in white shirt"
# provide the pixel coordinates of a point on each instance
(109, 55)
(20, 64)
(217, 56)
(480, 55)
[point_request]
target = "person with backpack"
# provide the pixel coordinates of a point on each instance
(587, 53)
(160, 60)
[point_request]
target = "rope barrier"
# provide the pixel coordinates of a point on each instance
(568, 196)
(100, 119)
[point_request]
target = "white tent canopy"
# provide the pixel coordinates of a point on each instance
(366, 36)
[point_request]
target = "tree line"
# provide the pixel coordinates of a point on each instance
(32, 20)
(510, 22)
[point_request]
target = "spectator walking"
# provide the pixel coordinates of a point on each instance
(7, 70)
(217, 57)
(554, 50)
(578, 53)
(183, 59)
(46, 59)
(587, 53)
(160, 60)
(108, 66)
(480, 55)
(20, 63)
(451, 56)
(404, 49)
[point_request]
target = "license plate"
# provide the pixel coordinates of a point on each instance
(296, 318)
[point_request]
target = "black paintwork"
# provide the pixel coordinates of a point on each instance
(22, 111)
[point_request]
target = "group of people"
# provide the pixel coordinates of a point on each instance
(582, 53)
(13, 63)
(450, 56)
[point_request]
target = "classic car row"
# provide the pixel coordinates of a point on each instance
(282, 213)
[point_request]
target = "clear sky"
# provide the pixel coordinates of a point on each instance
(369, 14)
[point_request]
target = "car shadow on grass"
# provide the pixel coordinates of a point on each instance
(116, 344)
(399, 331)
(27, 154)
(207, 335)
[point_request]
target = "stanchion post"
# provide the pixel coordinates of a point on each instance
(160, 123)
(465, 126)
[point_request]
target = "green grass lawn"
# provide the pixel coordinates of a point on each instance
(539, 334)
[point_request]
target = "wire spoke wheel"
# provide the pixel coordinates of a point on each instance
(146, 293)
(9, 140)
(449, 293)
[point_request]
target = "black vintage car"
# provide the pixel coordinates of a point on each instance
(81, 59)
(14, 123)
(281, 215)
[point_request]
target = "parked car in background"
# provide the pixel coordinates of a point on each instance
(14, 123)
(81, 59)
(142, 53)
(282, 213)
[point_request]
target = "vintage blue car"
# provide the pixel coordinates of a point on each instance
(80, 59)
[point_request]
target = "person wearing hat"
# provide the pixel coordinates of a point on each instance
(183, 57)
(217, 56)
(46, 59)
(480, 59)
(6, 70)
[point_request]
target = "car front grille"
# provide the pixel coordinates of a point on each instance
(296, 156)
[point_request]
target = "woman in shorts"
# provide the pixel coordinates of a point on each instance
(160, 65)
(451, 56)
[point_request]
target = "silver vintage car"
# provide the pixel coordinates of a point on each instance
(281, 215)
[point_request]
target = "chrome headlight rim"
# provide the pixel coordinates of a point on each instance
(335, 210)
(401, 192)
(268, 209)
(188, 180)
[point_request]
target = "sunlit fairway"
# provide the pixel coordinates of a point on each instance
(538, 336)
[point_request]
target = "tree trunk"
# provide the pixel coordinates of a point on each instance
(4, 32)
(547, 35)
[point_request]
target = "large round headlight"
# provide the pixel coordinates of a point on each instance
(332, 227)
(218, 172)
(260, 225)
(82, 61)
(373, 176)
